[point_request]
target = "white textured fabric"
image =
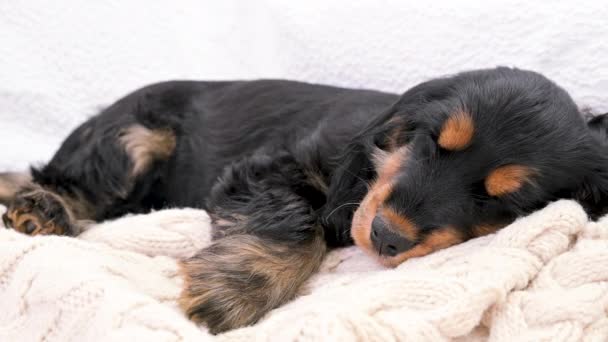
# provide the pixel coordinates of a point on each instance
(61, 61)
(543, 278)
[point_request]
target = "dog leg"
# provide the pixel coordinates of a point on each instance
(33, 210)
(267, 244)
(36, 211)
(104, 169)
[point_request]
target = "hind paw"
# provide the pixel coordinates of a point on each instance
(37, 211)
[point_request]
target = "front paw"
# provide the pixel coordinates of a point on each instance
(221, 291)
(238, 279)
(35, 211)
(213, 299)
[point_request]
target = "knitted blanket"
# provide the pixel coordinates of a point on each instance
(544, 277)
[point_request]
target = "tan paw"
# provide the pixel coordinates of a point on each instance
(238, 279)
(35, 211)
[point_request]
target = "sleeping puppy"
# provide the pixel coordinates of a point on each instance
(286, 169)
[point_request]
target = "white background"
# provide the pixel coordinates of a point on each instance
(60, 61)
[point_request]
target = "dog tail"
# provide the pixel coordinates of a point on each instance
(11, 183)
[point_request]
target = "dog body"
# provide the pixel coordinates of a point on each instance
(286, 168)
(167, 144)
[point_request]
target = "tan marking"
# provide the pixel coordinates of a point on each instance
(507, 179)
(405, 225)
(395, 135)
(239, 278)
(379, 157)
(387, 168)
(11, 183)
(13, 215)
(437, 240)
(457, 131)
(390, 164)
(20, 220)
(144, 146)
(486, 229)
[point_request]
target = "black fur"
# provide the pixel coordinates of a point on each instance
(279, 159)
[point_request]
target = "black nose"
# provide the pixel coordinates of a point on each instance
(387, 242)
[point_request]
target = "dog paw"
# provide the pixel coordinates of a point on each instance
(222, 299)
(237, 280)
(219, 304)
(36, 211)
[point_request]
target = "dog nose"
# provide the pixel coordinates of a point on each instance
(387, 242)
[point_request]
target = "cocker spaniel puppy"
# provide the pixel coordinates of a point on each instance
(286, 169)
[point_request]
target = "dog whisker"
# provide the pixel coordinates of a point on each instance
(338, 207)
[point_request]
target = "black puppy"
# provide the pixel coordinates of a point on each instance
(286, 168)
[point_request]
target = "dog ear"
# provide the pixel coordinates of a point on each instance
(599, 127)
(356, 170)
(11, 183)
(392, 134)
(349, 184)
(386, 132)
(593, 193)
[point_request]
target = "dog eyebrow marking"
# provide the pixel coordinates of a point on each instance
(144, 146)
(457, 131)
(405, 225)
(507, 179)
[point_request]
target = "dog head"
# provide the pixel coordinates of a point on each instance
(463, 156)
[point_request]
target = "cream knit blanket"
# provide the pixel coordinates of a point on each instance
(545, 277)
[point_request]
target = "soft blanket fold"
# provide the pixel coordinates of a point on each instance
(545, 277)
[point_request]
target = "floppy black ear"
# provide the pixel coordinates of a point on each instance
(599, 127)
(355, 171)
(348, 185)
(386, 131)
(593, 193)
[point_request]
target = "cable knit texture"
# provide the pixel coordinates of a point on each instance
(543, 278)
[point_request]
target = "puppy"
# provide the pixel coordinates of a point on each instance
(286, 169)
